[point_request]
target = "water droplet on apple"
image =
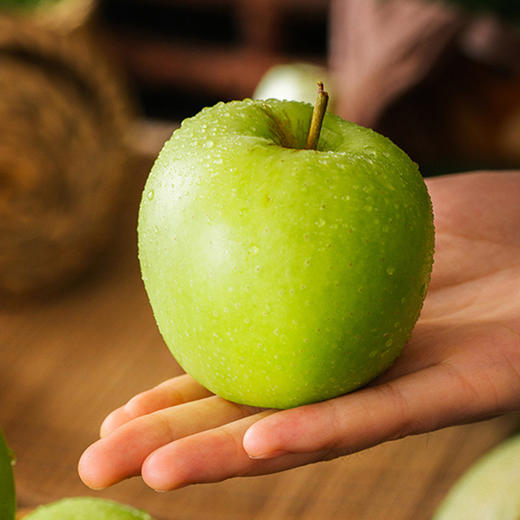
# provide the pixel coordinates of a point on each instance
(253, 250)
(320, 222)
(150, 195)
(390, 270)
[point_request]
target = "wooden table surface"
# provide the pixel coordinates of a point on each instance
(66, 361)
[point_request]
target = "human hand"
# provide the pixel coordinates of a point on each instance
(461, 364)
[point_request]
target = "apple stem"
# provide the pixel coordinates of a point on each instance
(317, 118)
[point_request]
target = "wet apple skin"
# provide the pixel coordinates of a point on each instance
(280, 276)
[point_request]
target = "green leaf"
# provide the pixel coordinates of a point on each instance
(26, 5)
(506, 9)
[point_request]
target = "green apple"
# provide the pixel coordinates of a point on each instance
(489, 490)
(277, 275)
(7, 491)
(293, 82)
(78, 508)
(86, 508)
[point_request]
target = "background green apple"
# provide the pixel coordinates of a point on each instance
(489, 490)
(7, 491)
(294, 82)
(86, 508)
(77, 508)
(280, 276)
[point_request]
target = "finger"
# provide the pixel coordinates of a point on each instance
(432, 398)
(213, 456)
(121, 454)
(177, 390)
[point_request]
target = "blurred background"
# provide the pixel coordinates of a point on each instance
(445, 82)
(456, 107)
(90, 88)
(89, 92)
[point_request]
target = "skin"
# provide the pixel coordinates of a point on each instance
(461, 364)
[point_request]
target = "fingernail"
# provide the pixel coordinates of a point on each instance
(258, 446)
(268, 455)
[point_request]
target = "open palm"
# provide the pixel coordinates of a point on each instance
(462, 364)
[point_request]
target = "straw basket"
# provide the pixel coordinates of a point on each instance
(63, 120)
